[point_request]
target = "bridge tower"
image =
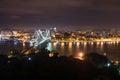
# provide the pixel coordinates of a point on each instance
(40, 37)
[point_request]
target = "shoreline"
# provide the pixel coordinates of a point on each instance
(85, 41)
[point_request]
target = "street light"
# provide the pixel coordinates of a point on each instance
(80, 56)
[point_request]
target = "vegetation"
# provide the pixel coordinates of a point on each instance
(43, 66)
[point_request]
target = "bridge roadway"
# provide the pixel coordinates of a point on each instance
(41, 38)
(36, 45)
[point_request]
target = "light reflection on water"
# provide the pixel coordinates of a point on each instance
(112, 49)
(12, 45)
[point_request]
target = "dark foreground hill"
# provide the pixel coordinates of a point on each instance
(37, 67)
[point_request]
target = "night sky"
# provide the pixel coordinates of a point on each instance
(71, 14)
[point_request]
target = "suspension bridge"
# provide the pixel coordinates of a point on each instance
(40, 39)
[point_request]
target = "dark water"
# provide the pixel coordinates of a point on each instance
(10, 45)
(111, 49)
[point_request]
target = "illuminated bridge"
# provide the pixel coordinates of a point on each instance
(40, 39)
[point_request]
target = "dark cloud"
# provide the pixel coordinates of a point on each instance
(40, 7)
(61, 11)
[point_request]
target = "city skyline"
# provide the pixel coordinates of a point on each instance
(71, 14)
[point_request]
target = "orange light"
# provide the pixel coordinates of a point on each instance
(80, 55)
(70, 43)
(91, 42)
